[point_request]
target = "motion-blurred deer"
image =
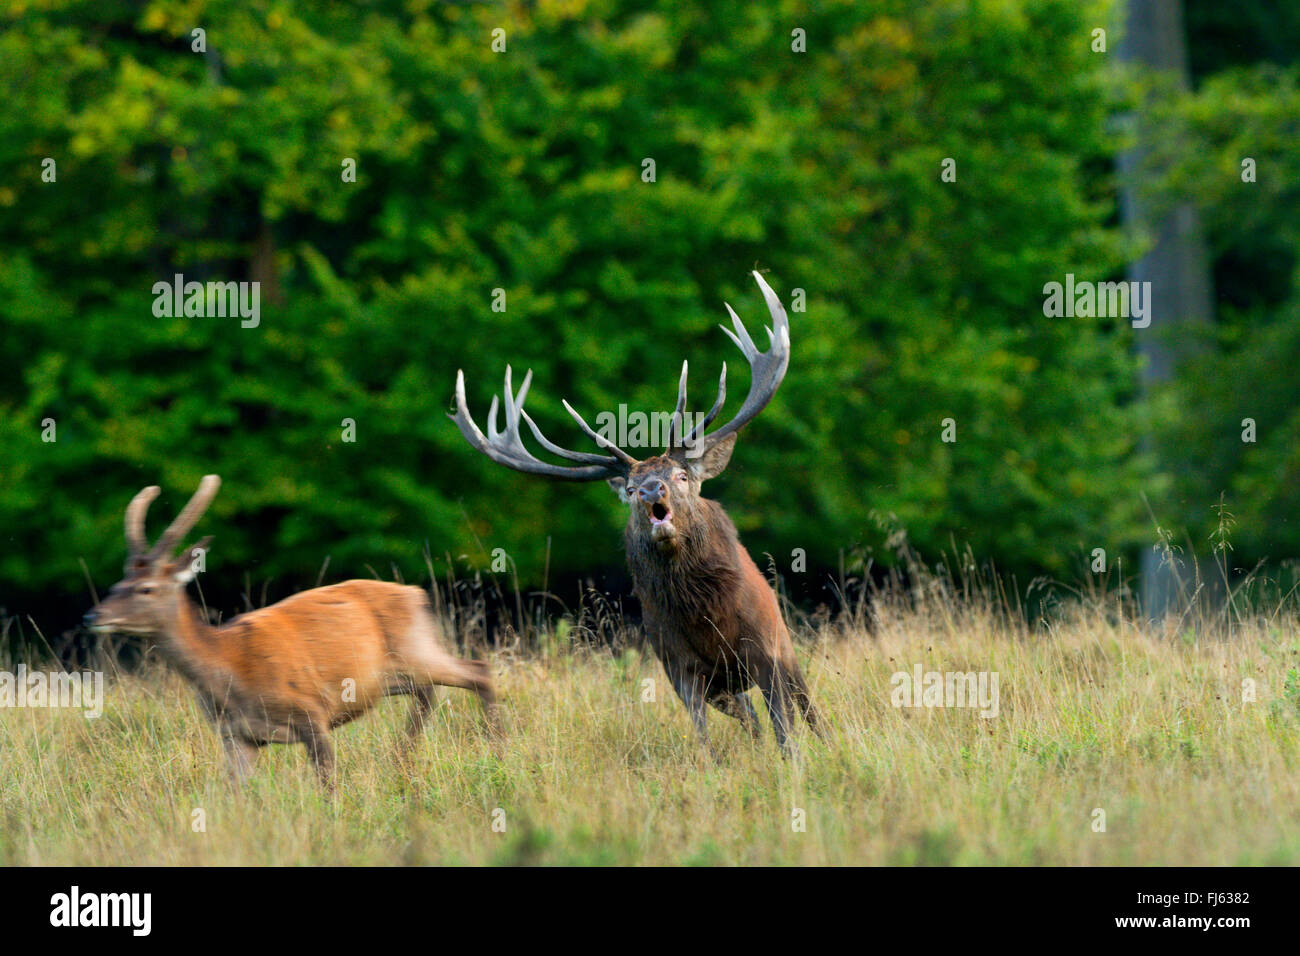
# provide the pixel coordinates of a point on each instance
(711, 616)
(291, 672)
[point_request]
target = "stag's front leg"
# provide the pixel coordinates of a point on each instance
(780, 705)
(691, 689)
(803, 700)
(738, 706)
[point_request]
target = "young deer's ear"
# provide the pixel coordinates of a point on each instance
(191, 560)
(619, 484)
(711, 463)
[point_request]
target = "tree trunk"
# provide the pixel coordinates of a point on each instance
(1177, 266)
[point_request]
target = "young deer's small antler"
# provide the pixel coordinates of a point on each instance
(136, 541)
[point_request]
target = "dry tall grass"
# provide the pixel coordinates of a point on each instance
(1097, 712)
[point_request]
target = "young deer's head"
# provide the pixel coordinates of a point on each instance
(149, 596)
(663, 492)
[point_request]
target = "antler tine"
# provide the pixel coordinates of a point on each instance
(515, 404)
(767, 369)
(136, 541)
(507, 447)
(741, 335)
(675, 423)
(598, 438)
(704, 423)
(584, 457)
(780, 321)
(188, 517)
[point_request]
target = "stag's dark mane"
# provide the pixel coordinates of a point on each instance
(695, 582)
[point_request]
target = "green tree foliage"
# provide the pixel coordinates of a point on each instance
(521, 170)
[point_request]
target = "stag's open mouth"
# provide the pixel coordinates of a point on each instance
(662, 532)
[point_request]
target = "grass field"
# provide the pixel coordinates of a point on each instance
(1095, 713)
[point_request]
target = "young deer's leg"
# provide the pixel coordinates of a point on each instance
(422, 656)
(240, 757)
(481, 684)
(321, 749)
(423, 700)
(457, 672)
(738, 706)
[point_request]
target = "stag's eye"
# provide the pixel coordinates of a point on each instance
(680, 476)
(144, 589)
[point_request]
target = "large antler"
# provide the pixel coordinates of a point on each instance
(507, 448)
(767, 370)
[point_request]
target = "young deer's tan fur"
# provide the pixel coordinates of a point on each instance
(291, 672)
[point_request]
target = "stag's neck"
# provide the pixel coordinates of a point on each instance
(699, 574)
(195, 648)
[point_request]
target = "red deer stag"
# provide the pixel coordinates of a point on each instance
(711, 616)
(291, 672)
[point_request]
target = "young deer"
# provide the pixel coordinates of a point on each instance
(711, 616)
(291, 672)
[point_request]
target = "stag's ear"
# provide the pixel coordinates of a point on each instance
(619, 484)
(711, 463)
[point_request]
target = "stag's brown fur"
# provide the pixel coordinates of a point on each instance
(709, 613)
(291, 672)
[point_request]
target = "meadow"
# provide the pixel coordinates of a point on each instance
(1151, 724)
(403, 197)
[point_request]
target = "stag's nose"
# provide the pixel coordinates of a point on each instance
(652, 491)
(90, 617)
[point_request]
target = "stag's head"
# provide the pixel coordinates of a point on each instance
(663, 491)
(147, 597)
